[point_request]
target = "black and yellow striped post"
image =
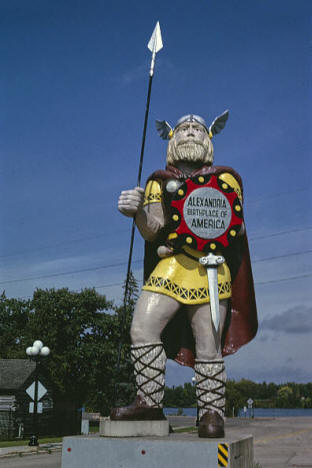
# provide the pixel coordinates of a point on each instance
(223, 454)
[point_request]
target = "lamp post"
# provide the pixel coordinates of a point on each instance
(35, 352)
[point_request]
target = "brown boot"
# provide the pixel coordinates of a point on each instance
(210, 391)
(137, 411)
(211, 424)
(149, 362)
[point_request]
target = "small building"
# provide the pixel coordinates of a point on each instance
(17, 377)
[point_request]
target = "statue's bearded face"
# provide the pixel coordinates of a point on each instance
(190, 143)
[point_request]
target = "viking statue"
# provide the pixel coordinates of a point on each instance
(190, 215)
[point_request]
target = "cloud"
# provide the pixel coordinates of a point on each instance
(281, 359)
(136, 73)
(141, 71)
(294, 320)
(282, 374)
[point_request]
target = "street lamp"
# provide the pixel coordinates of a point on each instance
(35, 352)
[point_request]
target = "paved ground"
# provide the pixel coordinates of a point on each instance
(278, 443)
(33, 461)
(282, 442)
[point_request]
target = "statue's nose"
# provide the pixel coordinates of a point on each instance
(190, 131)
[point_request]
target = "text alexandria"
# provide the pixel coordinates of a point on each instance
(207, 202)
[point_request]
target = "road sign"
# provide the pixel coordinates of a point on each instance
(250, 402)
(31, 391)
(39, 407)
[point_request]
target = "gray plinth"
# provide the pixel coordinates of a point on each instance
(110, 428)
(175, 450)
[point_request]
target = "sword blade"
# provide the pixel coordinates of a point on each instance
(212, 274)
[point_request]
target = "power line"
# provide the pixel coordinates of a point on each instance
(258, 283)
(113, 265)
(91, 287)
(127, 230)
(108, 285)
(82, 239)
(281, 194)
(83, 270)
(281, 256)
(60, 244)
(267, 236)
(290, 278)
(111, 285)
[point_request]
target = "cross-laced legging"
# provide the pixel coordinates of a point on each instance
(149, 362)
(210, 386)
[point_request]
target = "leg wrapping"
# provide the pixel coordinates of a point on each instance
(149, 362)
(210, 386)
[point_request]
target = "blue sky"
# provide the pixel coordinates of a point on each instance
(73, 82)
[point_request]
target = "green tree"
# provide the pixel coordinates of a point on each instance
(189, 395)
(14, 314)
(77, 329)
(247, 389)
(180, 397)
(123, 377)
(284, 397)
(233, 398)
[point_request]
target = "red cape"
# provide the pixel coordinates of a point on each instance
(241, 323)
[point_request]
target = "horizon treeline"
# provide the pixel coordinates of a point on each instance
(264, 395)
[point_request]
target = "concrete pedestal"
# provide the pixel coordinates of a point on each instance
(175, 450)
(110, 428)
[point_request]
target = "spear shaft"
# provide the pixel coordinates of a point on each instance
(155, 44)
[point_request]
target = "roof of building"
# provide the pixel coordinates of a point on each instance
(14, 372)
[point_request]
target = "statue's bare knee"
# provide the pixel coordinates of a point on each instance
(137, 333)
(142, 330)
(207, 340)
(152, 313)
(207, 349)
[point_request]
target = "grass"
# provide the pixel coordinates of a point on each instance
(42, 440)
(185, 429)
(93, 429)
(18, 443)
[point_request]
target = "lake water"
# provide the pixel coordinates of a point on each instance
(257, 412)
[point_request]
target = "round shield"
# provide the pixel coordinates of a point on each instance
(206, 214)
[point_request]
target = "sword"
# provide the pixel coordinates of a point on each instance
(211, 263)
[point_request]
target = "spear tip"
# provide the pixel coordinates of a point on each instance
(155, 42)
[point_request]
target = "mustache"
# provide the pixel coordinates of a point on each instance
(190, 141)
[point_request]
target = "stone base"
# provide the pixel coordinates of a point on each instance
(175, 450)
(110, 428)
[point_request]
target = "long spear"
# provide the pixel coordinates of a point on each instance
(155, 45)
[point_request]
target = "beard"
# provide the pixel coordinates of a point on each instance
(189, 151)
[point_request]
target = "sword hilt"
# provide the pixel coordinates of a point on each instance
(211, 260)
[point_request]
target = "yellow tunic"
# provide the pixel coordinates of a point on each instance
(179, 276)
